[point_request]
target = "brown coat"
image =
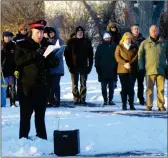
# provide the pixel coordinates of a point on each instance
(123, 56)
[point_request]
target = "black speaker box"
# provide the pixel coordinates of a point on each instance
(66, 143)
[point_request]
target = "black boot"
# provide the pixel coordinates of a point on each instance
(124, 100)
(132, 107)
(131, 101)
(124, 107)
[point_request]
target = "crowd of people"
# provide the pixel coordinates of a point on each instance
(128, 58)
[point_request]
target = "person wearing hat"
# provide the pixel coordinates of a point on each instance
(34, 71)
(79, 59)
(8, 67)
(58, 71)
(140, 75)
(113, 30)
(22, 33)
(116, 37)
(106, 67)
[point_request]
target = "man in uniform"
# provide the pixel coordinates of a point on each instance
(34, 70)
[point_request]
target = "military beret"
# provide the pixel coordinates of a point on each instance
(38, 25)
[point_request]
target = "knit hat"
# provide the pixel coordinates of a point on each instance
(106, 35)
(79, 28)
(8, 34)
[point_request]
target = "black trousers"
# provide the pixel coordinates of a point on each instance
(127, 88)
(79, 95)
(140, 80)
(54, 97)
(111, 86)
(36, 102)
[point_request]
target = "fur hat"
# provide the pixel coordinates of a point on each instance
(22, 27)
(111, 25)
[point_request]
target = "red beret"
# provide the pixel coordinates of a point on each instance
(38, 25)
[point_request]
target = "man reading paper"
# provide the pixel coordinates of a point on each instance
(34, 71)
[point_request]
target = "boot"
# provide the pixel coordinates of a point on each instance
(132, 107)
(131, 101)
(124, 100)
(124, 107)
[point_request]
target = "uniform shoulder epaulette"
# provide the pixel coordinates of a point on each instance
(19, 40)
(14, 42)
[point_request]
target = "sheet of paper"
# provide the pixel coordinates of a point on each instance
(50, 48)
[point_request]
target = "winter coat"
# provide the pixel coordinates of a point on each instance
(59, 70)
(7, 59)
(19, 37)
(153, 56)
(79, 55)
(33, 67)
(138, 40)
(105, 63)
(123, 56)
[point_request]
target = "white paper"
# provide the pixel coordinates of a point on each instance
(50, 48)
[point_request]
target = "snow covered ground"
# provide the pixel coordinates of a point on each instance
(103, 130)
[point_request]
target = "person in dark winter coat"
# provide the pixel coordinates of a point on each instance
(116, 37)
(8, 67)
(79, 59)
(126, 56)
(106, 67)
(58, 71)
(34, 72)
(113, 30)
(22, 33)
(140, 75)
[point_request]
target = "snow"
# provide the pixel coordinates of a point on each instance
(109, 132)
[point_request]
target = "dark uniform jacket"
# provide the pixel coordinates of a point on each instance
(19, 37)
(79, 55)
(33, 67)
(105, 63)
(123, 56)
(7, 59)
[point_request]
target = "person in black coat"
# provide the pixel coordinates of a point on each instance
(140, 75)
(8, 67)
(34, 71)
(22, 33)
(106, 67)
(79, 59)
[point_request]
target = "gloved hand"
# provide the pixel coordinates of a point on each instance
(127, 66)
(16, 74)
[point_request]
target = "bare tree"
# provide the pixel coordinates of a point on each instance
(15, 12)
